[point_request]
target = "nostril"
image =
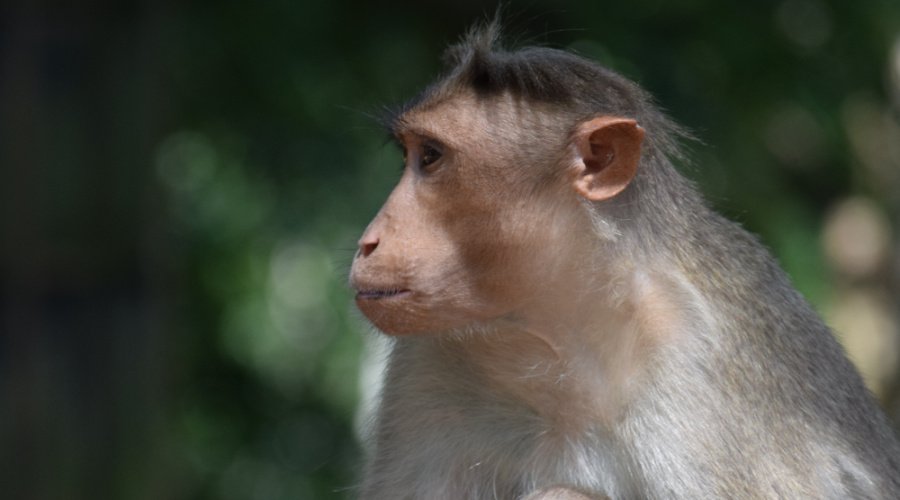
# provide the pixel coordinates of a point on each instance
(367, 247)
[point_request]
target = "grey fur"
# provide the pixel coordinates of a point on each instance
(759, 401)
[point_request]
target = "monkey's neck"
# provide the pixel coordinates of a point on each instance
(575, 375)
(582, 359)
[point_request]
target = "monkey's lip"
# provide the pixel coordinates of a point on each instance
(379, 293)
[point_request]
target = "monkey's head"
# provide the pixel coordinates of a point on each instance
(492, 216)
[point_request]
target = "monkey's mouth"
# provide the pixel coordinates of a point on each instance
(376, 293)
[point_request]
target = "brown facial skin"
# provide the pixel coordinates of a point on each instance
(472, 232)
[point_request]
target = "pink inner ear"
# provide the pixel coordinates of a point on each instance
(602, 152)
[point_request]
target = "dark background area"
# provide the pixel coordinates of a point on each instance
(182, 185)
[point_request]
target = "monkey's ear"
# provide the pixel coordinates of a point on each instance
(608, 150)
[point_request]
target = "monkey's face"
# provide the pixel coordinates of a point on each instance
(473, 231)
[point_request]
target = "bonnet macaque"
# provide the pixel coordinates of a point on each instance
(571, 321)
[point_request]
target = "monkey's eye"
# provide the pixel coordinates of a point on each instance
(429, 156)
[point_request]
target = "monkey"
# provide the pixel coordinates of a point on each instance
(569, 319)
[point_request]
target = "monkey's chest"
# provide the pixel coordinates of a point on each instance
(503, 449)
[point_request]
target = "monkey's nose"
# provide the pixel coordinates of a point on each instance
(367, 246)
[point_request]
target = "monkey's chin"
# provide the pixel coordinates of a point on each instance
(389, 310)
(402, 313)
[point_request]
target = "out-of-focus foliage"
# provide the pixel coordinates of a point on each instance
(183, 184)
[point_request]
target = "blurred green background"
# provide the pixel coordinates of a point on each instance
(182, 185)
